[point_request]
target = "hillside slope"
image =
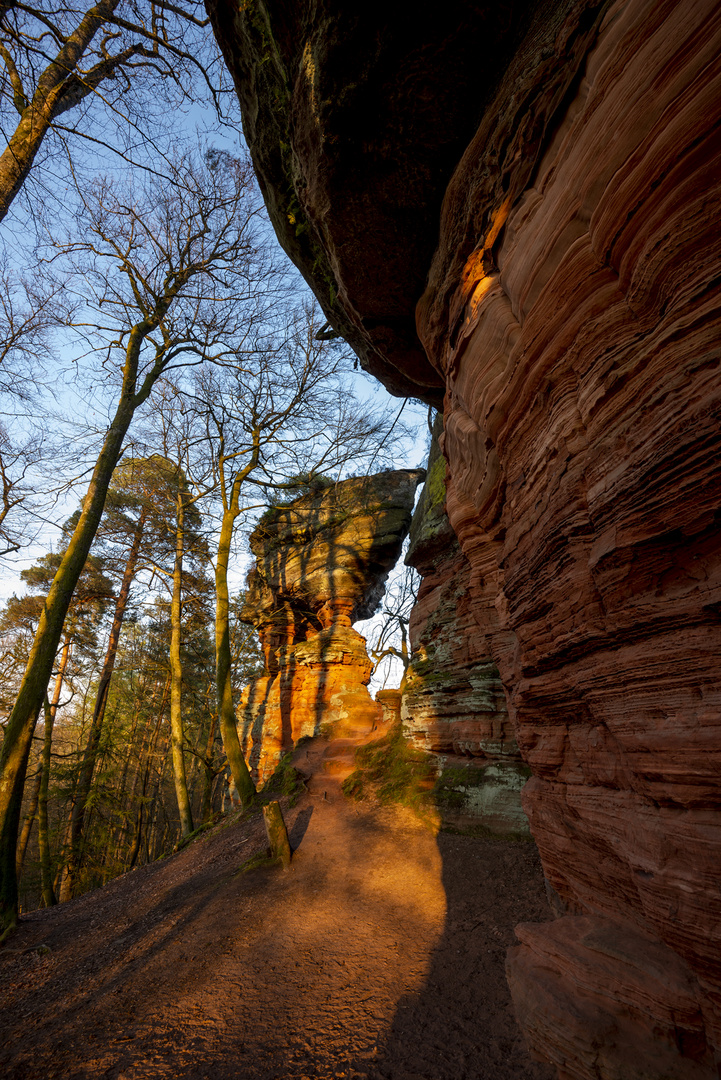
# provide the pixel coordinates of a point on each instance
(347, 965)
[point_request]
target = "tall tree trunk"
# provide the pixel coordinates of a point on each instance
(29, 819)
(46, 872)
(85, 777)
(23, 718)
(226, 711)
(108, 863)
(138, 833)
(148, 749)
(21, 724)
(208, 773)
(176, 675)
(53, 95)
(51, 708)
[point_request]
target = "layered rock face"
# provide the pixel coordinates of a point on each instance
(453, 701)
(321, 564)
(572, 313)
(583, 434)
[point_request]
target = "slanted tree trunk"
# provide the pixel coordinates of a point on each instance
(29, 819)
(85, 777)
(51, 708)
(59, 88)
(23, 718)
(176, 676)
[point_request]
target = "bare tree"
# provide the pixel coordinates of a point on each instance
(90, 599)
(283, 409)
(158, 270)
(59, 62)
(31, 309)
(390, 640)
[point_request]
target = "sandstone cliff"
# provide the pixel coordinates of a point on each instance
(321, 564)
(571, 315)
(453, 701)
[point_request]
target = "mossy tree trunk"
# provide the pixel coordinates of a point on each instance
(90, 754)
(23, 718)
(209, 773)
(277, 833)
(176, 673)
(59, 88)
(30, 817)
(226, 710)
(51, 708)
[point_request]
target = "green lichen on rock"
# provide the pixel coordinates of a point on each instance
(392, 771)
(483, 797)
(285, 781)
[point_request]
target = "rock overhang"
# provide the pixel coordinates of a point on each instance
(355, 121)
(330, 549)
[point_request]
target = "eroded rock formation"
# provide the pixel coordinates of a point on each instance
(571, 313)
(321, 564)
(453, 702)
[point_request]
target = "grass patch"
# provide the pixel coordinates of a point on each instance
(285, 781)
(392, 771)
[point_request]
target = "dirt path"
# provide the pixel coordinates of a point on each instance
(379, 954)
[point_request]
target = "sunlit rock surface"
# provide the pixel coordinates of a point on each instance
(321, 564)
(582, 430)
(571, 312)
(453, 701)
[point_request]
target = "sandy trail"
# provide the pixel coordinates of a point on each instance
(378, 954)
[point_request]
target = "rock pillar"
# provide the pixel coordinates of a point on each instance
(321, 564)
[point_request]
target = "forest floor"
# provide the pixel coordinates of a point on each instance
(378, 954)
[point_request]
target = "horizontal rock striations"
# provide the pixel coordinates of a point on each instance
(321, 564)
(583, 434)
(453, 700)
(571, 311)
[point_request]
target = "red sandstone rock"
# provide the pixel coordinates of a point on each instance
(355, 128)
(321, 562)
(607, 1001)
(583, 429)
(390, 703)
(319, 683)
(453, 697)
(453, 700)
(572, 310)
